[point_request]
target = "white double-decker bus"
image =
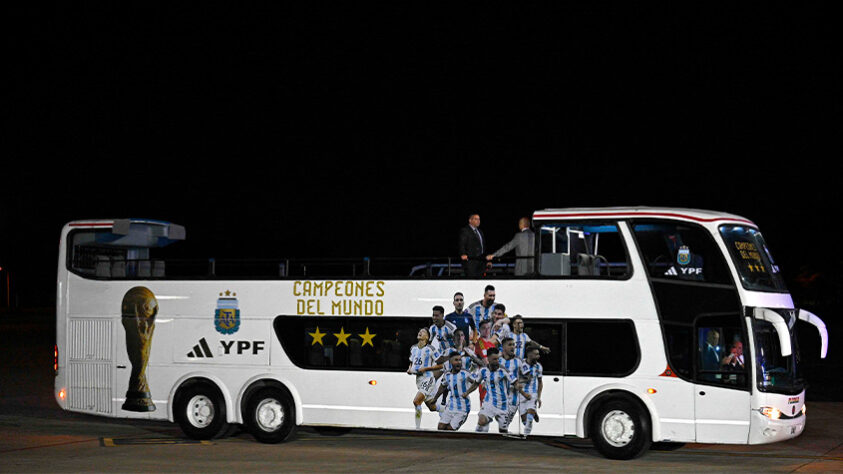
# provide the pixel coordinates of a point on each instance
(658, 325)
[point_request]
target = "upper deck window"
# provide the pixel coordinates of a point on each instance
(582, 249)
(680, 251)
(122, 251)
(755, 264)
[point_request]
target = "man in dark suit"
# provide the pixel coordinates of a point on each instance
(471, 246)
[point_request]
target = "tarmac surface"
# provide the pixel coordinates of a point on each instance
(37, 436)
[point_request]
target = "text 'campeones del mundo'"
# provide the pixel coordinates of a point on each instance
(339, 298)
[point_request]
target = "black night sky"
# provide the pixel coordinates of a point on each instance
(275, 130)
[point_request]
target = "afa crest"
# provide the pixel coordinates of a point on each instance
(684, 255)
(227, 314)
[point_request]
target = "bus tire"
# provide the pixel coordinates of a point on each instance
(620, 429)
(270, 415)
(200, 411)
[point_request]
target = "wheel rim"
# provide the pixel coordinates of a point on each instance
(200, 411)
(269, 414)
(618, 428)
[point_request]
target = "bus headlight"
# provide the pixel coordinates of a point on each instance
(772, 413)
(804, 409)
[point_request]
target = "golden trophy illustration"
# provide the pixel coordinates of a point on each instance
(139, 308)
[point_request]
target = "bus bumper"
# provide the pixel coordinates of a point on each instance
(764, 430)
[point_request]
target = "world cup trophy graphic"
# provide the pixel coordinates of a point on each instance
(139, 308)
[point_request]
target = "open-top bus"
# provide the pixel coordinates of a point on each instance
(661, 325)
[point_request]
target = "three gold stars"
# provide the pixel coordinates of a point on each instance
(342, 337)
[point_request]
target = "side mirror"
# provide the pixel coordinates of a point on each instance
(780, 324)
(815, 320)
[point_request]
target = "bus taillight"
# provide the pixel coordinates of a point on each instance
(56, 359)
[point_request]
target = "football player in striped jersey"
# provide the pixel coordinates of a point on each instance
(423, 363)
(441, 331)
(513, 365)
(459, 383)
(498, 383)
(521, 338)
(530, 400)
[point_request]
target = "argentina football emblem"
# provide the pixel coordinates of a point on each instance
(684, 255)
(227, 314)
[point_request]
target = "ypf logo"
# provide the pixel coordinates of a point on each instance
(227, 314)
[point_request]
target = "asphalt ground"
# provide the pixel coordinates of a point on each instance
(37, 436)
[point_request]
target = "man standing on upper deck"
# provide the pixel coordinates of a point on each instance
(524, 244)
(472, 246)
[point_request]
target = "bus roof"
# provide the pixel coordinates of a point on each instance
(697, 215)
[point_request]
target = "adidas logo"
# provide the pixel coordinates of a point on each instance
(200, 350)
(669, 272)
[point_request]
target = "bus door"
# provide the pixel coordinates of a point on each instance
(721, 395)
(701, 317)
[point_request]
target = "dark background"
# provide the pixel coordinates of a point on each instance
(345, 130)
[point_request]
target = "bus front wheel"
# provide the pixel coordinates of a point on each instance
(270, 415)
(620, 429)
(200, 411)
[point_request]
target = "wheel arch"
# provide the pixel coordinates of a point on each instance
(267, 380)
(196, 378)
(602, 394)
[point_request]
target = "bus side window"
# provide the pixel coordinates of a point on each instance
(582, 249)
(679, 339)
(348, 343)
(720, 356)
(681, 251)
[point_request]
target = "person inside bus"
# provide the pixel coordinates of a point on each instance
(734, 361)
(711, 352)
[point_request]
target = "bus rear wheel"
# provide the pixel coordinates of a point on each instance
(620, 429)
(200, 411)
(270, 415)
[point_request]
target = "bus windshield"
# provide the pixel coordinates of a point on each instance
(776, 373)
(755, 264)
